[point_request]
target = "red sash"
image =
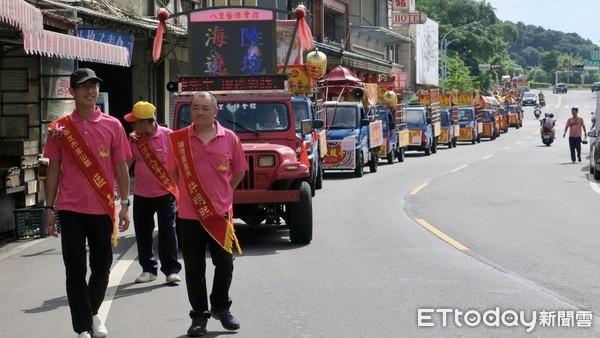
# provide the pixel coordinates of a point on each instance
(156, 166)
(88, 165)
(216, 225)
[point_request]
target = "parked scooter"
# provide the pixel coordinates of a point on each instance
(537, 112)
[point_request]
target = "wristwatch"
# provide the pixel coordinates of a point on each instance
(125, 202)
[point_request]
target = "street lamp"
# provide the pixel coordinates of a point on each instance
(444, 47)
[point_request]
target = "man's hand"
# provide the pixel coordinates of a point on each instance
(51, 223)
(124, 218)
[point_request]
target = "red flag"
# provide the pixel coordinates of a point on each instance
(305, 39)
(162, 16)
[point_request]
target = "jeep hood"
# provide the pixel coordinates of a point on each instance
(285, 152)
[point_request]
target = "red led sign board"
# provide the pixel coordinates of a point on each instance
(232, 83)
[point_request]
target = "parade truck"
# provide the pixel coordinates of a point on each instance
(469, 122)
(353, 136)
(395, 133)
(423, 123)
(255, 102)
(314, 142)
(448, 120)
(353, 139)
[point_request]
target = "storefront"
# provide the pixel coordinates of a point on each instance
(37, 56)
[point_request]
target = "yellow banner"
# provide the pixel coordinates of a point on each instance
(466, 134)
(415, 137)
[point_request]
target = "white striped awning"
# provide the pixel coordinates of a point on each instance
(36, 40)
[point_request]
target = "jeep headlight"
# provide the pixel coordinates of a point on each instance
(266, 161)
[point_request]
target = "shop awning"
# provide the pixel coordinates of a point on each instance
(36, 40)
(380, 34)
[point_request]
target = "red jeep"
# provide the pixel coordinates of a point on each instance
(276, 185)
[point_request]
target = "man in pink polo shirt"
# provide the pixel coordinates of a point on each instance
(220, 164)
(575, 124)
(152, 194)
(87, 150)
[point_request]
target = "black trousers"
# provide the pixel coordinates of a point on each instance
(85, 298)
(575, 145)
(196, 240)
(144, 209)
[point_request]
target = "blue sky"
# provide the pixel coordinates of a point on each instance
(569, 16)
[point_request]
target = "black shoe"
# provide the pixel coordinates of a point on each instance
(198, 327)
(579, 159)
(227, 319)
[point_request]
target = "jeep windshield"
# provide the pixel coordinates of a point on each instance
(244, 117)
(415, 116)
(340, 117)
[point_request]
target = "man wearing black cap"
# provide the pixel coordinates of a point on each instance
(87, 151)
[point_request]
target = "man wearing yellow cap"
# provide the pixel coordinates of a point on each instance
(153, 193)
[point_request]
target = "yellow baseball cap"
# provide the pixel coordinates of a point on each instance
(141, 111)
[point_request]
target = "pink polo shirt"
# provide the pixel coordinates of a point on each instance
(106, 138)
(146, 184)
(215, 162)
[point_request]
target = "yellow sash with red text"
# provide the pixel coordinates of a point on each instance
(88, 165)
(216, 225)
(156, 166)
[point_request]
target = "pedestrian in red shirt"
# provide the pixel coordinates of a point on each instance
(87, 150)
(575, 124)
(153, 193)
(207, 162)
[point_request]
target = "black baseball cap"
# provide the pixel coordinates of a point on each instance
(81, 75)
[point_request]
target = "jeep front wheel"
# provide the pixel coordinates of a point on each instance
(301, 217)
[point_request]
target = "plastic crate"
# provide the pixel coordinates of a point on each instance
(30, 223)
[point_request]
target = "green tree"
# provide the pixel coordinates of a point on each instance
(459, 77)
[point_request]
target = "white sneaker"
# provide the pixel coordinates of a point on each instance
(98, 327)
(173, 278)
(145, 277)
(84, 335)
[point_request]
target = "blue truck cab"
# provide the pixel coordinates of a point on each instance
(349, 143)
(470, 124)
(421, 130)
(314, 142)
(395, 136)
(450, 128)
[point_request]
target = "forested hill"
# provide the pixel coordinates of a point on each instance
(533, 40)
(477, 36)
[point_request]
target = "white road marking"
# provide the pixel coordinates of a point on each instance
(116, 275)
(489, 156)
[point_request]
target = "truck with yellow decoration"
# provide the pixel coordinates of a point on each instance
(353, 135)
(423, 123)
